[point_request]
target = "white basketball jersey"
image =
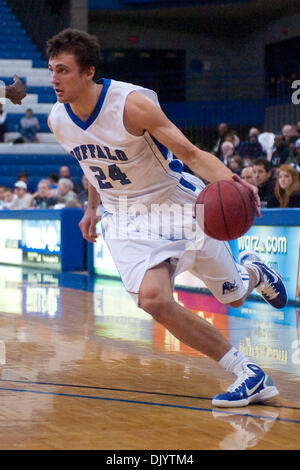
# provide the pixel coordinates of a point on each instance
(116, 162)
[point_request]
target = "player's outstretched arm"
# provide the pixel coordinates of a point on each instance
(88, 222)
(16, 91)
(141, 114)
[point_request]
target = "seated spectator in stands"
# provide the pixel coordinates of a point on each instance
(9, 198)
(223, 129)
(247, 161)
(42, 199)
(294, 155)
(53, 180)
(287, 187)
(247, 175)
(281, 152)
(22, 176)
(2, 190)
(262, 170)
(227, 151)
(65, 192)
(23, 197)
(29, 127)
(288, 133)
(235, 164)
(3, 123)
(64, 172)
(251, 147)
(232, 137)
(83, 195)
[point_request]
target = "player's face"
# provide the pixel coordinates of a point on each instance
(68, 81)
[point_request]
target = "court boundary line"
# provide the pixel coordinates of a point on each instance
(125, 390)
(166, 405)
(135, 401)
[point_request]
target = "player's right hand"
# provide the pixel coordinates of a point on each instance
(254, 191)
(17, 91)
(87, 225)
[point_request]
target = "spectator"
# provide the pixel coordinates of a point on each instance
(65, 192)
(232, 137)
(247, 161)
(42, 198)
(83, 195)
(9, 198)
(281, 152)
(227, 151)
(251, 147)
(29, 127)
(287, 187)
(262, 171)
(247, 175)
(23, 197)
(2, 190)
(53, 180)
(223, 129)
(294, 156)
(22, 176)
(288, 133)
(64, 172)
(235, 164)
(3, 123)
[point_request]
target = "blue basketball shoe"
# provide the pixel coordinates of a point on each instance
(270, 286)
(252, 386)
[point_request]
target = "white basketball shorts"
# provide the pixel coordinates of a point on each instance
(137, 245)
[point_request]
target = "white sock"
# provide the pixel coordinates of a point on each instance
(233, 361)
(256, 271)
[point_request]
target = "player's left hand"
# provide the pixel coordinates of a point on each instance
(17, 91)
(254, 191)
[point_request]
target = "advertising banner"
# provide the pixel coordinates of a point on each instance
(41, 243)
(278, 247)
(11, 234)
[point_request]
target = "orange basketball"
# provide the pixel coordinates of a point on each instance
(229, 209)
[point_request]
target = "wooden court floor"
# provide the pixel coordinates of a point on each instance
(83, 368)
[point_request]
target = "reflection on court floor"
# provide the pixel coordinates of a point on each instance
(77, 357)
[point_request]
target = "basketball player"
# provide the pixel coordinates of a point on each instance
(124, 144)
(14, 92)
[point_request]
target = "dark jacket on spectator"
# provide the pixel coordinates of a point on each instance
(267, 195)
(251, 149)
(280, 155)
(294, 200)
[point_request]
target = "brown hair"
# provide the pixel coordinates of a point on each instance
(85, 48)
(283, 195)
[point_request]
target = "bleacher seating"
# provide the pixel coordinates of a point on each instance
(37, 166)
(18, 55)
